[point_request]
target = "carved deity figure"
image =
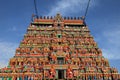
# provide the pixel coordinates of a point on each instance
(67, 58)
(52, 72)
(69, 73)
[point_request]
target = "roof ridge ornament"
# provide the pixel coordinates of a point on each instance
(58, 18)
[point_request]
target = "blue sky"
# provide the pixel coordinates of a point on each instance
(103, 20)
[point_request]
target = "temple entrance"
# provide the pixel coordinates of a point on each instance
(60, 74)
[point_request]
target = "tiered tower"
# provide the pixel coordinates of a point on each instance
(58, 48)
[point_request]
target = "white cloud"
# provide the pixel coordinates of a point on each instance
(109, 54)
(111, 48)
(3, 63)
(12, 29)
(113, 36)
(70, 6)
(7, 51)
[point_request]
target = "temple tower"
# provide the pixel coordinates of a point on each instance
(58, 48)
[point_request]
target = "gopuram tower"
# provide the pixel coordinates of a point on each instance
(56, 48)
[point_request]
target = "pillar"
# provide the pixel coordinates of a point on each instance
(5, 78)
(19, 78)
(65, 74)
(86, 77)
(2, 78)
(10, 78)
(25, 77)
(56, 74)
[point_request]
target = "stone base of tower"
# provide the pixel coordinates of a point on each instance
(60, 75)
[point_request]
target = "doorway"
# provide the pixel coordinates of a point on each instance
(60, 74)
(60, 60)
